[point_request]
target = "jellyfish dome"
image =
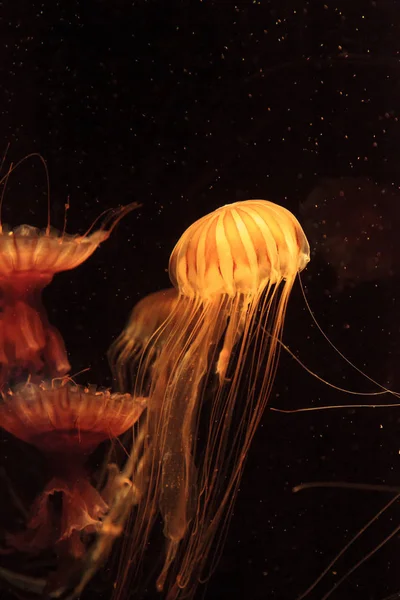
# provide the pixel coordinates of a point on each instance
(239, 248)
(146, 318)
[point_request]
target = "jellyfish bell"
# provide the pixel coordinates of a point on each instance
(239, 249)
(66, 423)
(146, 318)
(233, 271)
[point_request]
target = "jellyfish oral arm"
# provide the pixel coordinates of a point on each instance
(28, 342)
(178, 472)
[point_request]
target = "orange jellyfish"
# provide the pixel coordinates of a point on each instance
(29, 259)
(146, 317)
(137, 345)
(211, 379)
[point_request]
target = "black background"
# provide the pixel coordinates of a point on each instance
(184, 106)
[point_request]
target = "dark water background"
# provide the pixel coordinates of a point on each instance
(184, 106)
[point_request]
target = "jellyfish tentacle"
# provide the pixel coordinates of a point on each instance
(234, 332)
(11, 169)
(25, 583)
(178, 472)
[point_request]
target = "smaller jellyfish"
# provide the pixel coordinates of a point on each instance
(66, 423)
(29, 258)
(147, 316)
(233, 271)
(133, 358)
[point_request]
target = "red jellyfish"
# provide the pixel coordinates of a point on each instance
(66, 423)
(29, 259)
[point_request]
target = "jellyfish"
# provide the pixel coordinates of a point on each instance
(66, 423)
(211, 377)
(38, 402)
(147, 316)
(140, 345)
(29, 259)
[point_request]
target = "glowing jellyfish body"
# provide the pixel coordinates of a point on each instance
(135, 340)
(66, 423)
(29, 258)
(238, 249)
(234, 270)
